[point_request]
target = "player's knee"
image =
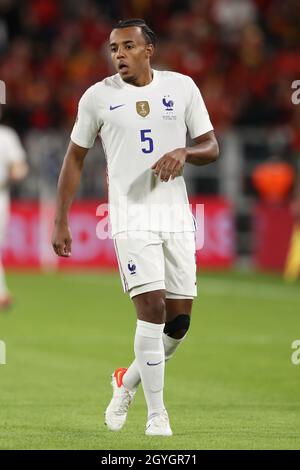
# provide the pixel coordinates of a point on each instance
(154, 309)
(158, 309)
(177, 327)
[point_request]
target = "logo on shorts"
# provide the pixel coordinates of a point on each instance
(132, 267)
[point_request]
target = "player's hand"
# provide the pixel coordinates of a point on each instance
(62, 240)
(170, 165)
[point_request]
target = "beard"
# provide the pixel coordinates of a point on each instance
(129, 78)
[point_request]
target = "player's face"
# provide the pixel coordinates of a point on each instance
(129, 52)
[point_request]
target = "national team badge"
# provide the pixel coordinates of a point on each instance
(131, 267)
(168, 103)
(142, 108)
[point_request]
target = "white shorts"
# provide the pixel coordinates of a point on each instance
(157, 260)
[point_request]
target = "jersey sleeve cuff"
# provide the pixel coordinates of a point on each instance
(201, 131)
(80, 143)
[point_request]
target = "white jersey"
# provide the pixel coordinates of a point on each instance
(11, 151)
(137, 126)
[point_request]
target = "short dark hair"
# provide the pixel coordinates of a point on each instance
(149, 35)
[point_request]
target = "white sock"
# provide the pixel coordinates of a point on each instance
(3, 288)
(131, 379)
(150, 358)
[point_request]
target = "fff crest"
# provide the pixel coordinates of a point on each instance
(168, 104)
(142, 108)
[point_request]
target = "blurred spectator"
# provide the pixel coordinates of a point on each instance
(233, 15)
(13, 168)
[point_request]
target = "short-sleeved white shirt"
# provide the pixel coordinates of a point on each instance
(137, 126)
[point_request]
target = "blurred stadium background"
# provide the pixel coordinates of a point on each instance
(244, 55)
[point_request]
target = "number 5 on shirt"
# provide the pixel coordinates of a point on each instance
(145, 138)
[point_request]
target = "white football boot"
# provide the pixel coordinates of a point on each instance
(158, 425)
(116, 412)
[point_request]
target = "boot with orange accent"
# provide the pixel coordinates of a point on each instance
(116, 412)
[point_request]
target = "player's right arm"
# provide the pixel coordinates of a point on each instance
(83, 135)
(68, 183)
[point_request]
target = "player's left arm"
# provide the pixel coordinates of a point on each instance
(205, 151)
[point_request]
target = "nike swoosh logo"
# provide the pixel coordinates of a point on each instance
(154, 363)
(115, 107)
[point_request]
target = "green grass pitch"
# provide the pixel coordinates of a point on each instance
(232, 384)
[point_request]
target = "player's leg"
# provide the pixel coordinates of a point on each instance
(178, 316)
(181, 287)
(141, 265)
(178, 312)
(4, 295)
(148, 366)
(5, 298)
(177, 321)
(150, 357)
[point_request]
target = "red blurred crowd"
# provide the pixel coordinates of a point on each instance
(243, 54)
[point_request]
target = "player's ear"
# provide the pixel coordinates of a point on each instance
(149, 50)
